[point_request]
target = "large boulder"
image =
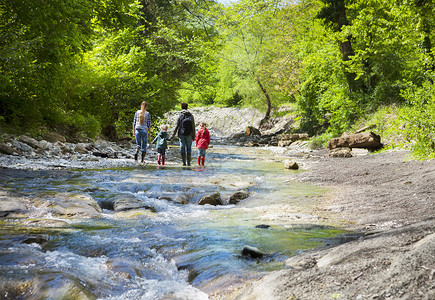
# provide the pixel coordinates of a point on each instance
(123, 202)
(29, 141)
(72, 205)
(214, 199)
(238, 196)
(368, 140)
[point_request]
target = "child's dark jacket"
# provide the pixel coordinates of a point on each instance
(161, 139)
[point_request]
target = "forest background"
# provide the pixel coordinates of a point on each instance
(84, 66)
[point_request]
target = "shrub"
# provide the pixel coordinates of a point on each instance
(420, 118)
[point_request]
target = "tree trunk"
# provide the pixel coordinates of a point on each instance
(269, 104)
(347, 51)
(334, 14)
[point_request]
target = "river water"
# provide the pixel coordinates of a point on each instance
(174, 251)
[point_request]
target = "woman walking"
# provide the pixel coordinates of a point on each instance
(141, 129)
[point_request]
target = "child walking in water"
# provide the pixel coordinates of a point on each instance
(162, 144)
(202, 141)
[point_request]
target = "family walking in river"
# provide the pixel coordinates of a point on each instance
(184, 129)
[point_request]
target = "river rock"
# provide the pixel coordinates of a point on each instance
(251, 130)
(40, 240)
(123, 268)
(53, 137)
(21, 146)
(291, 165)
(81, 148)
(285, 140)
(252, 252)
(10, 206)
(340, 152)
(253, 144)
(59, 286)
(214, 199)
(6, 149)
(72, 205)
(178, 199)
(263, 226)
(368, 140)
(45, 223)
(123, 202)
(45, 145)
(29, 141)
(238, 196)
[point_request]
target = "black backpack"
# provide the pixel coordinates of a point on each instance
(186, 124)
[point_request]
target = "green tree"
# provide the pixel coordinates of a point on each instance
(38, 42)
(248, 31)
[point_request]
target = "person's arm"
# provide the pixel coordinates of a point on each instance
(149, 124)
(134, 123)
(193, 127)
(176, 128)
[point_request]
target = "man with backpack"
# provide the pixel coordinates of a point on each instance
(186, 133)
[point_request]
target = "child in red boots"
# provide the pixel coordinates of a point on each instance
(202, 141)
(162, 144)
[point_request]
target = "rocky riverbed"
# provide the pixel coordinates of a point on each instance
(386, 197)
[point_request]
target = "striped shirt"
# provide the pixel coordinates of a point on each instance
(147, 121)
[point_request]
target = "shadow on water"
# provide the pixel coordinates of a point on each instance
(175, 251)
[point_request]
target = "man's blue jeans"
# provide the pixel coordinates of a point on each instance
(185, 143)
(141, 139)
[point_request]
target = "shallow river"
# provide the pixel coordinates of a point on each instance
(175, 251)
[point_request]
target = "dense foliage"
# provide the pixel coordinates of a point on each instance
(84, 66)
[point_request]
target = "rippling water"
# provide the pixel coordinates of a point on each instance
(175, 252)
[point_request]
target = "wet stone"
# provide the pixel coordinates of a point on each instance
(252, 252)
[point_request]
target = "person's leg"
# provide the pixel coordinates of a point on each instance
(160, 156)
(138, 144)
(144, 144)
(183, 149)
(202, 154)
(163, 154)
(144, 140)
(189, 149)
